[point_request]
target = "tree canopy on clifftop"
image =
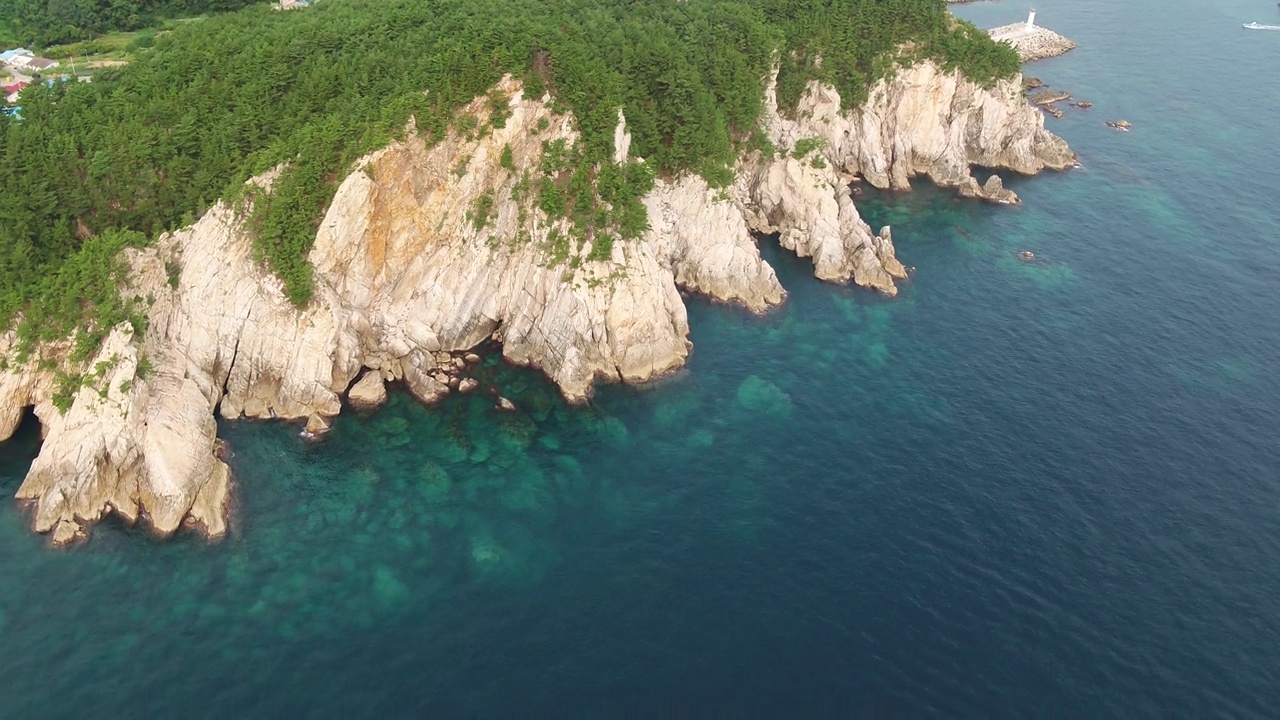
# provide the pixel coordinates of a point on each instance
(151, 146)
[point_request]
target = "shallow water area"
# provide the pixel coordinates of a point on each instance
(1042, 488)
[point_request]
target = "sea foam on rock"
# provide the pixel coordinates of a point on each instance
(404, 277)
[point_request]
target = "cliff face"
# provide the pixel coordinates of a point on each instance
(413, 269)
(925, 122)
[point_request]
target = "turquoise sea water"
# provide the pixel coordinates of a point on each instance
(1019, 489)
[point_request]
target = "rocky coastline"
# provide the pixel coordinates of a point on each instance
(409, 283)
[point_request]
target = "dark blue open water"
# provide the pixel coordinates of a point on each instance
(1047, 489)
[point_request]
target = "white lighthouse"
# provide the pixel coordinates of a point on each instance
(1031, 20)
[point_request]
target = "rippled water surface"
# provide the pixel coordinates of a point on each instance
(1018, 489)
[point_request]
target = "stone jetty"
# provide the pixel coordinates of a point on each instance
(1032, 41)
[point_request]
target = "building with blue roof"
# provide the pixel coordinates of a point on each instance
(8, 55)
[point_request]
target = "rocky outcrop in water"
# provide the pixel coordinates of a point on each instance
(368, 392)
(1032, 42)
(407, 273)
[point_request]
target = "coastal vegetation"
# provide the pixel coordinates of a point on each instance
(53, 22)
(111, 49)
(149, 147)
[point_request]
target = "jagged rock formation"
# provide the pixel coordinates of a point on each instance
(924, 122)
(125, 445)
(410, 273)
(707, 241)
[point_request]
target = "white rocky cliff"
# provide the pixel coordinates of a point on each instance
(924, 122)
(428, 251)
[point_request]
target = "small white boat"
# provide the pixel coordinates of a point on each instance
(1256, 26)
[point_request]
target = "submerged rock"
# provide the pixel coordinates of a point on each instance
(763, 397)
(434, 485)
(389, 591)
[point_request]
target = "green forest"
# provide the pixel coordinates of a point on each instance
(49, 22)
(148, 147)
